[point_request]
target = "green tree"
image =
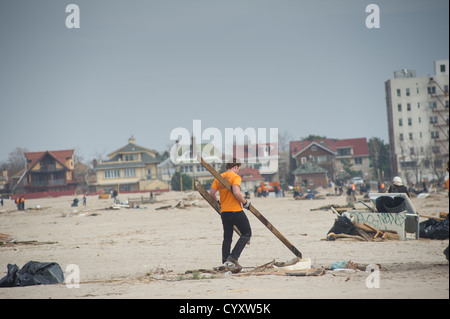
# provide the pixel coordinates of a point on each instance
(186, 180)
(379, 156)
(347, 166)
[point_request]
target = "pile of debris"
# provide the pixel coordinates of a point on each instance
(346, 227)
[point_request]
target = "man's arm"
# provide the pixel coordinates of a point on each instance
(237, 193)
(213, 192)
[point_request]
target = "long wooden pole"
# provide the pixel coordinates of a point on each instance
(255, 212)
(212, 202)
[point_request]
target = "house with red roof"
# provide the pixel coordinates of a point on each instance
(328, 155)
(261, 156)
(50, 171)
(250, 178)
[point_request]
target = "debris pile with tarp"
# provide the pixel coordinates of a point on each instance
(346, 227)
(388, 216)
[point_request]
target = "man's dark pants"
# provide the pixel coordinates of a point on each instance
(240, 220)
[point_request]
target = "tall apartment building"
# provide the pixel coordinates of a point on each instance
(418, 123)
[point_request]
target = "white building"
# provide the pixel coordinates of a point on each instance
(418, 123)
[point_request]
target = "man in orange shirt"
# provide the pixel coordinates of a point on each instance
(232, 215)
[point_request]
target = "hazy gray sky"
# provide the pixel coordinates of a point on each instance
(147, 67)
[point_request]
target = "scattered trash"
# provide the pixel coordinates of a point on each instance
(294, 264)
(349, 265)
(33, 273)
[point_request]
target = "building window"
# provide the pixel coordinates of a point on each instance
(321, 159)
(401, 136)
(433, 119)
(313, 148)
(400, 122)
(408, 92)
(112, 173)
(436, 149)
(409, 121)
(358, 160)
(420, 119)
(442, 67)
(408, 107)
(410, 136)
(399, 92)
(131, 157)
(408, 164)
(344, 151)
(411, 151)
(399, 106)
(435, 135)
(431, 90)
(129, 172)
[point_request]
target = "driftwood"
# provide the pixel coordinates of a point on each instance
(164, 207)
(357, 237)
(327, 207)
(29, 242)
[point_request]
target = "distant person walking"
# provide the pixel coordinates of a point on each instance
(22, 203)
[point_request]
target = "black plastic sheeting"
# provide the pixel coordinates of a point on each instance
(33, 273)
(342, 225)
(387, 204)
(434, 229)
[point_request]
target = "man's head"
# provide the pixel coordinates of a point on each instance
(233, 163)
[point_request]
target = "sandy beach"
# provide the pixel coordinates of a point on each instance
(147, 253)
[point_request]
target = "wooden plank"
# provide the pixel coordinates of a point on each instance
(211, 201)
(363, 234)
(255, 212)
(431, 217)
(377, 231)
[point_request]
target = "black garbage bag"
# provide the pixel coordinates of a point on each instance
(33, 273)
(434, 229)
(342, 225)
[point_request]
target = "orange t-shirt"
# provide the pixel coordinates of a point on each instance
(228, 203)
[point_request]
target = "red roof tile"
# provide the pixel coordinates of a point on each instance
(60, 156)
(250, 174)
(359, 145)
